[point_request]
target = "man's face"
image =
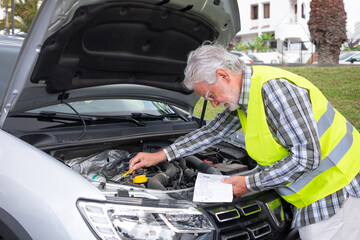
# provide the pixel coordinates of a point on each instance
(223, 93)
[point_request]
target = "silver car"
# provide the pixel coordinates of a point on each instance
(95, 82)
(350, 58)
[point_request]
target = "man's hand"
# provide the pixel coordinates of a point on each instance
(238, 184)
(144, 159)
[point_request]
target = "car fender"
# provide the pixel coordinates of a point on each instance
(40, 192)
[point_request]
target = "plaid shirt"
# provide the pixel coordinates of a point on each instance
(291, 121)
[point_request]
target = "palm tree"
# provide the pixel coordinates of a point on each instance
(4, 24)
(25, 11)
(267, 38)
(327, 26)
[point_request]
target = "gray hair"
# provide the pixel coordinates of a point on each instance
(203, 62)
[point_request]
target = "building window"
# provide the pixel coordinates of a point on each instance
(295, 9)
(266, 10)
(254, 12)
(273, 44)
(303, 10)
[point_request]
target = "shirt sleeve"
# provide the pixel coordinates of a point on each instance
(291, 120)
(221, 126)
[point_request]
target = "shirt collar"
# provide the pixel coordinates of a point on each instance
(245, 89)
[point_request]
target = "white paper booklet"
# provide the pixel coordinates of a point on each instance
(209, 188)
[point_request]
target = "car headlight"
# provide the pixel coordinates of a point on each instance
(138, 220)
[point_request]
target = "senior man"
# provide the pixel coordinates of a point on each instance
(306, 149)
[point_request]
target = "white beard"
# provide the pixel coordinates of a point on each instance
(231, 105)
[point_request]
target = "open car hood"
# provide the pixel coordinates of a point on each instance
(90, 49)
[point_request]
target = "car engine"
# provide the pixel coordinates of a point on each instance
(179, 174)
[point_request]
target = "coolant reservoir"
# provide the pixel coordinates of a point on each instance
(94, 177)
(140, 179)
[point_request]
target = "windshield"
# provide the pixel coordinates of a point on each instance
(345, 55)
(109, 107)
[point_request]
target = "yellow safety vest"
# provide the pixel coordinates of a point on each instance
(339, 141)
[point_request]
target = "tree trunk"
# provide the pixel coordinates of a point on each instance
(7, 25)
(327, 26)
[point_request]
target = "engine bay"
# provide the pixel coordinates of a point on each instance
(109, 166)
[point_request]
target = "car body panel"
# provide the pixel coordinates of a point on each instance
(34, 181)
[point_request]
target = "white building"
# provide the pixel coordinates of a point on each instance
(352, 8)
(287, 21)
(356, 34)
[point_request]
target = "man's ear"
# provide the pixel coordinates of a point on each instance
(222, 75)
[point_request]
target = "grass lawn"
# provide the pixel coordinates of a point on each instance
(341, 86)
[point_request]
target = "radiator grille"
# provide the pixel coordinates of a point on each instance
(246, 219)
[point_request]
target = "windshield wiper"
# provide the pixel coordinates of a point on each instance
(120, 118)
(148, 116)
(51, 116)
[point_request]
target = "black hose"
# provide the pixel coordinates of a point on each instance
(201, 166)
(189, 174)
(160, 180)
(180, 178)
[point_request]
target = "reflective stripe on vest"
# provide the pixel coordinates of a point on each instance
(339, 141)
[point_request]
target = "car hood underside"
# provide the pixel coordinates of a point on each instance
(121, 42)
(81, 49)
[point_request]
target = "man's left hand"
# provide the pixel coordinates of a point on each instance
(238, 185)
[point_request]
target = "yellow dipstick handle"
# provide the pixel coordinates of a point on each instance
(140, 179)
(128, 172)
